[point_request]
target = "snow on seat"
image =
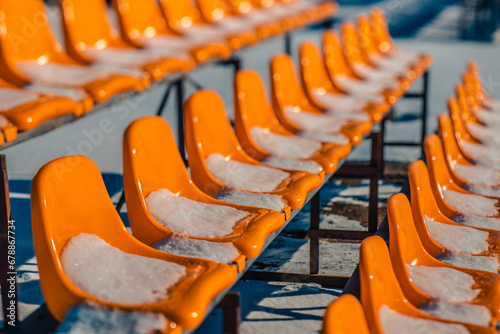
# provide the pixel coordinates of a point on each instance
(259, 200)
(484, 134)
(312, 122)
(471, 204)
(110, 274)
(471, 314)
(165, 206)
(85, 253)
(347, 106)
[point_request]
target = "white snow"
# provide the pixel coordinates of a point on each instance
(224, 252)
(197, 219)
(490, 119)
(315, 122)
(444, 283)
(483, 134)
(471, 204)
(486, 263)
(293, 164)
(477, 221)
(11, 98)
(396, 323)
(338, 138)
(340, 102)
(360, 87)
(461, 239)
(463, 312)
(285, 146)
(479, 175)
(486, 155)
(483, 190)
(110, 274)
(244, 176)
(268, 201)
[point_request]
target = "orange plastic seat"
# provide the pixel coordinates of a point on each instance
(344, 315)
(68, 197)
(361, 66)
(184, 17)
(406, 249)
(291, 18)
(383, 41)
(252, 109)
(89, 37)
(315, 81)
(286, 92)
(208, 131)
(142, 24)
(40, 59)
(380, 288)
(151, 162)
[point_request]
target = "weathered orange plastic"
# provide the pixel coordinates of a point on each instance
(314, 76)
(40, 44)
(287, 91)
(151, 161)
(57, 217)
(184, 13)
(252, 108)
(406, 249)
(336, 64)
(144, 18)
(380, 287)
(86, 23)
(345, 315)
(208, 131)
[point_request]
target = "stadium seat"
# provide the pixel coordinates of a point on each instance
(323, 95)
(89, 37)
(291, 18)
(142, 24)
(406, 249)
(208, 132)
(68, 198)
(40, 59)
(184, 17)
(480, 94)
(252, 109)
(381, 291)
(344, 315)
(287, 94)
(151, 162)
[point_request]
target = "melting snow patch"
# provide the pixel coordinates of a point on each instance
(477, 221)
(486, 263)
(472, 204)
(110, 274)
(483, 133)
(285, 146)
(471, 314)
(244, 176)
(461, 239)
(315, 122)
(267, 201)
(443, 283)
(342, 103)
(395, 323)
(293, 164)
(483, 190)
(338, 138)
(224, 252)
(478, 174)
(487, 155)
(197, 219)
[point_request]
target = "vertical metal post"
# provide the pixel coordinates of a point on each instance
(377, 162)
(120, 201)
(288, 43)
(180, 119)
(231, 312)
(164, 100)
(424, 108)
(314, 241)
(8, 278)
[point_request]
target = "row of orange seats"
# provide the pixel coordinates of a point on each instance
(39, 80)
(278, 154)
(441, 272)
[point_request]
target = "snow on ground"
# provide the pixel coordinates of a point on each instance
(266, 307)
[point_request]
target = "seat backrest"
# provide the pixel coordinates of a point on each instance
(381, 30)
(85, 23)
(181, 13)
(213, 11)
(350, 43)
(438, 173)
(335, 60)
(151, 161)
(476, 79)
(252, 108)
(366, 36)
(209, 131)
(344, 315)
(406, 247)
(240, 6)
(379, 285)
(459, 128)
(139, 17)
(68, 197)
(464, 102)
(313, 74)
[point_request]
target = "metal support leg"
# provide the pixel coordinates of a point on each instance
(288, 43)
(424, 109)
(121, 201)
(314, 241)
(8, 278)
(377, 158)
(180, 119)
(164, 100)
(231, 312)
